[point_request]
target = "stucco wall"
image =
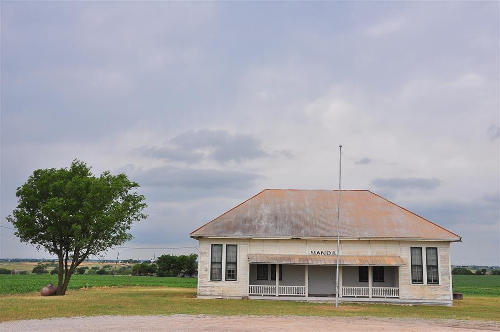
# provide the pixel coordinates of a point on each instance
(408, 291)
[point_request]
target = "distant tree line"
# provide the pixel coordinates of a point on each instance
(466, 271)
(169, 266)
(163, 266)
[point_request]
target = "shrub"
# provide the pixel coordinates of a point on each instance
(496, 272)
(102, 271)
(81, 270)
(5, 271)
(39, 269)
(55, 271)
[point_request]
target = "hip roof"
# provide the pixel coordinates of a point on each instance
(289, 213)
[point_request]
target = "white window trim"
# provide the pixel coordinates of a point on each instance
(237, 261)
(424, 265)
(210, 263)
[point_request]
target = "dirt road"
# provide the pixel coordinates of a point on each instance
(243, 323)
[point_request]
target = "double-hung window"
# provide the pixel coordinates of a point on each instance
(432, 265)
(216, 262)
(417, 273)
(363, 274)
(378, 274)
(231, 261)
(262, 272)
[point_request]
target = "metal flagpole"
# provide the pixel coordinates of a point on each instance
(338, 228)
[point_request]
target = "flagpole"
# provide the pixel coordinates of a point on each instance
(338, 228)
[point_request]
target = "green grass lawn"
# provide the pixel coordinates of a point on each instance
(16, 284)
(471, 285)
(167, 301)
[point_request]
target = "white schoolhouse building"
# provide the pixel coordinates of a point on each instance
(281, 244)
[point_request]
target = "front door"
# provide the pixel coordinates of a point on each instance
(321, 280)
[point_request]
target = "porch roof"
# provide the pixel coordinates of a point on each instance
(325, 260)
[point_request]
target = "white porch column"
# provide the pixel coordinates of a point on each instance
(306, 278)
(277, 279)
(370, 278)
(340, 281)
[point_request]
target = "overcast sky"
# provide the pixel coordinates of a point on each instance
(205, 104)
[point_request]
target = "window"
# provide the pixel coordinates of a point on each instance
(262, 272)
(231, 261)
(378, 274)
(417, 273)
(216, 262)
(273, 272)
(363, 274)
(432, 266)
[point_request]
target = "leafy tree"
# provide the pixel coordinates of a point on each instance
(174, 266)
(144, 269)
(5, 271)
(74, 214)
(81, 270)
(39, 269)
(496, 272)
(461, 270)
(167, 266)
(55, 271)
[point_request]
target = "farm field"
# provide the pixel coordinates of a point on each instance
(472, 285)
(167, 301)
(16, 284)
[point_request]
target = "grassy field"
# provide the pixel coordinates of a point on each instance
(15, 284)
(165, 301)
(470, 285)
(120, 295)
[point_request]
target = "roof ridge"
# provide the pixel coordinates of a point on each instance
(425, 219)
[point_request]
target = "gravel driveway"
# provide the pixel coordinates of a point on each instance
(242, 323)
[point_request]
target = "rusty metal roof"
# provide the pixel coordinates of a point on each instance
(288, 213)
(325, 260)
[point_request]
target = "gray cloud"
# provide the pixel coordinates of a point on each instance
(194, 178)
(406, 183)
(174, 154)
(219, 145)
(493, 132)
(363, 161)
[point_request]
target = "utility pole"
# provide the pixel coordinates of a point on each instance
(338, 228)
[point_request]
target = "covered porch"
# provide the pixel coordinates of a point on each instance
(310, 276)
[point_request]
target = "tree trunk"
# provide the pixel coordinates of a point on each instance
(59, 290)
(67, 276)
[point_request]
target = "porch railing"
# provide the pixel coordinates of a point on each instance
(385, 292)
(270, 290)
(355, 291)
(264, 290)
(292, 290)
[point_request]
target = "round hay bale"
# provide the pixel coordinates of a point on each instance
(48, 290)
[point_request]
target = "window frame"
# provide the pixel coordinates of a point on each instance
(360, 274)
(260, 276)
(427, 265)
(212, 262)
(421, 265)
(374, 273)
(235, 278)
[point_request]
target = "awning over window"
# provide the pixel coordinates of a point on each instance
(324, 260)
